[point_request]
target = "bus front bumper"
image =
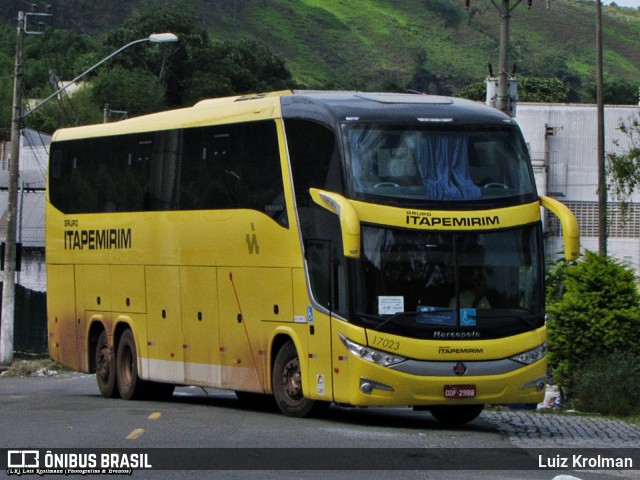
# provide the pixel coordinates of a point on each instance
(371, 384)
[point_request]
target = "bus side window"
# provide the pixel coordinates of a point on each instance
(202, 182)
(320, 264)
(233, 166)
(258, 166)
(56, 164)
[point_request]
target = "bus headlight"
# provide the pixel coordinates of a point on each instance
(369, 354)
(531, 356)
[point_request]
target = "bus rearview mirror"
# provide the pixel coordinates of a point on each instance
(570, 228)
(349, 221)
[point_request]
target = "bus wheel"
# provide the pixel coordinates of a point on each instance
(105, 367)
(130, 385)
(287, 383)
(456, 414)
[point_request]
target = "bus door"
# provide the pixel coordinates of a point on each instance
(326, 277)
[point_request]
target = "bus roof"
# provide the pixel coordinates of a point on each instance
(217, 111)
(332, 107)
(324, 106)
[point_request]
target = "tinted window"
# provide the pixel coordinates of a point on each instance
(230, 166)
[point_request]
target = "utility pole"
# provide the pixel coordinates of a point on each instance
(9, 285)
(602, 185)
(503, 80)
(504, 100)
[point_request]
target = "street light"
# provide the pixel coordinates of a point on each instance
(154, 38)
(8, 290)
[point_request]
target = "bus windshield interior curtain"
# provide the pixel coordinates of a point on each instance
(443, 163)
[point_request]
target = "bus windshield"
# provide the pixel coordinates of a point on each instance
(431, 285)
(467, 163)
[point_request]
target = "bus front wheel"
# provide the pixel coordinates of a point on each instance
(130, 385)
(287, 384)
(105, 359)
(456, 414)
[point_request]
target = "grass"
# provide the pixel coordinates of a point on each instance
(28, 366)
(364, 43)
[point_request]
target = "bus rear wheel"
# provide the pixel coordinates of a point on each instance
(130, 385)
(287, 385)
(105, 359)
(456, 414)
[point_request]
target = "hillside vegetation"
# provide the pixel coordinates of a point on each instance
(430, 45)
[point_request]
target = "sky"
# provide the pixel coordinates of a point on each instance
(624, 3)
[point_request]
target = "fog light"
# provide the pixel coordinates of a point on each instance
(367, 386)
(539, 384)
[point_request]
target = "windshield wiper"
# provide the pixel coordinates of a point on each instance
(383, 321)
(398, 315)
(393, 317)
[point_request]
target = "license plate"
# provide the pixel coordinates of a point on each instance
(459, 391)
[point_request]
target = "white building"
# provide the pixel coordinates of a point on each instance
(34, 153)
(562, 140)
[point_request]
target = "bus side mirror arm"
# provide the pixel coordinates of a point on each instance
(349, 220)
(570, 229)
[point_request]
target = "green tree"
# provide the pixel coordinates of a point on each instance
(615, 93)
(249, 66)
(143, 78)
(132, 90)
(475, 91)
(229, 68)
(172, 63)
(47, 58)
(195, 67)
(594, 310)
(547, 90)
(530, 89)
(81, 109)
(624, 165)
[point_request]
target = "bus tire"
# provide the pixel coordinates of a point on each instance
(105, 358)
(130, 385)
(456, 414)
(287, 384)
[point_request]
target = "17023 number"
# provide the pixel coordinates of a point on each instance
(386, 343)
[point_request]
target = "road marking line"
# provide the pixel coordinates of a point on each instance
(154, 416)
(135, 434)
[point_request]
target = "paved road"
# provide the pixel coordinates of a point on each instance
(66, 411)
(551, 430)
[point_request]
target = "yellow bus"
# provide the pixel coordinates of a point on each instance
(364, 249)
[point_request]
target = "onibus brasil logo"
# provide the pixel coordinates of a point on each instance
(35, 462)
